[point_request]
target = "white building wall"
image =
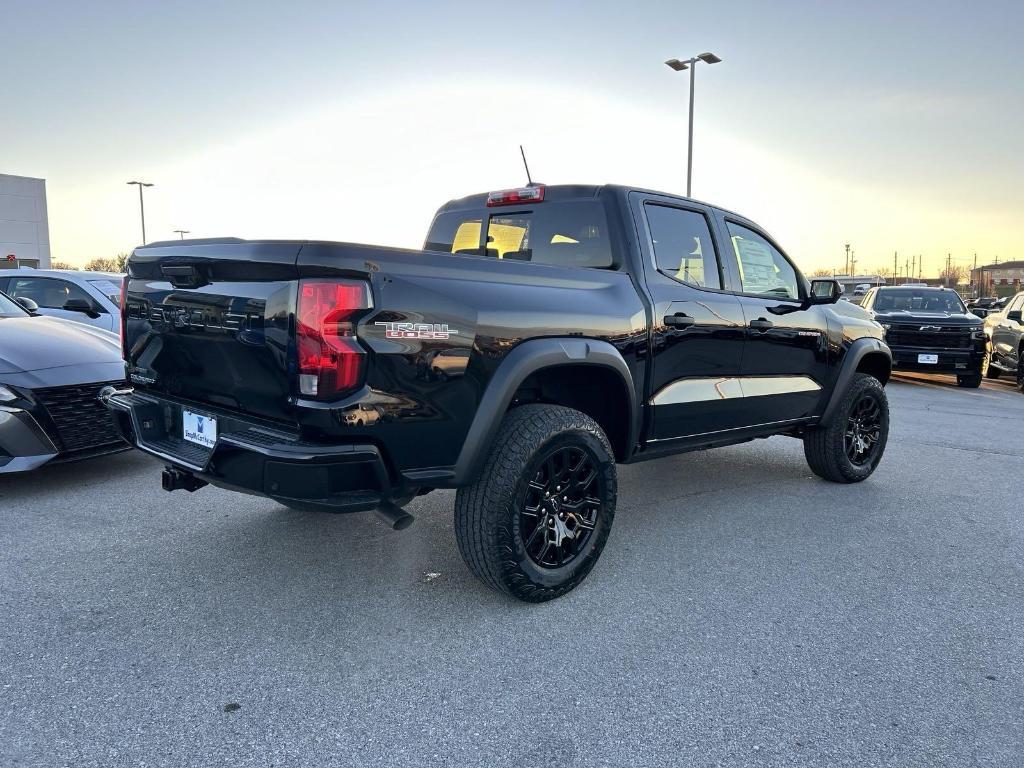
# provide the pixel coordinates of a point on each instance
(24, 228)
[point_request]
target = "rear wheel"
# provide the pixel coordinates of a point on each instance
(969, 380)
(848, 449)
(536, 521)
(1020, 370)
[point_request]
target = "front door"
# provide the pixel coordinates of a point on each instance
(697, 328)
(785, 360)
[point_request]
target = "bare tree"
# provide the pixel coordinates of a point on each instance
(954, 274)
(62, 265)
(821, 273)
(104, 264)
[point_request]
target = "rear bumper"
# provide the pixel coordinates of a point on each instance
(252, 458)
(949, 360)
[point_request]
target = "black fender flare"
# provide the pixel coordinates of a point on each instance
(525, 359)
(856, 352)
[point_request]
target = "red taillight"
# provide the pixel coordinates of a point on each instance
(516, 196)
(124, 317)
(330, 358)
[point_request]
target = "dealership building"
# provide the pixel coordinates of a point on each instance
(1003, 279)
(24, 231)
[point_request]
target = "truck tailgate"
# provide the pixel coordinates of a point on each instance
(209, 321)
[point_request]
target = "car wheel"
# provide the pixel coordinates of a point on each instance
(986, 365)
(848, 449)
(969, 380)
(1020, 372)
(535, 522)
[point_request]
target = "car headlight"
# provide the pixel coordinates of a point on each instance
(978, 334)
(7, 395)
(886, 326)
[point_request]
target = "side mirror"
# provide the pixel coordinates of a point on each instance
(1015, 316)
(27, 304)
(80, 305)
(979, 311)
(825, 292)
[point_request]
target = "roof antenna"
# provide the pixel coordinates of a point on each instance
(529, 181)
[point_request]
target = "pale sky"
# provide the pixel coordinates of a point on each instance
(894, 126)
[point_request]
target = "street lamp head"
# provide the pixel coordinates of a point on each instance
(140, 183)
(677, 65)
(709, 58)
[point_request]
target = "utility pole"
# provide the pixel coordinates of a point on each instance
(182, 233)
(847, 258)
(974, 278)
(895, 266)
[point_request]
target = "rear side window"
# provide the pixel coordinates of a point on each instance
(683, 248)
(563, 234)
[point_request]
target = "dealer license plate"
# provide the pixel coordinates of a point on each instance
(933, 359)
(198, 428)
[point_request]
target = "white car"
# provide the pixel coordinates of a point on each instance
(92, 298)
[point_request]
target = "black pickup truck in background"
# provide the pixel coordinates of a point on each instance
(930, 329)
(543, 335)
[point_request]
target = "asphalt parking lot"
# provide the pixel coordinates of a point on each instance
(744, 613)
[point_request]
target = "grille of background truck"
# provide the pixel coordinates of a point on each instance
(947, 338)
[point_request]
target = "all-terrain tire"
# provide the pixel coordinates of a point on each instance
(491, 526)
(825, 446)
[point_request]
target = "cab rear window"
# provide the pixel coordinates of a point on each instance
(564, 234)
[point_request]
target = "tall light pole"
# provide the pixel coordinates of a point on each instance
(679, 66)
(182, 233)
(142, 207)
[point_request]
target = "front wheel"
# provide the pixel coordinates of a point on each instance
(536, 521)
(987, 369)
(848, 449)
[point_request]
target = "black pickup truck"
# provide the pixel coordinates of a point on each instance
(930, 329)
(543, 335)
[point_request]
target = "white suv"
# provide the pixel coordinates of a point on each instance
(85, 297)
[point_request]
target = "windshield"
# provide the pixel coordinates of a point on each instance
(108, 288)
(9, 307)
(918, 300)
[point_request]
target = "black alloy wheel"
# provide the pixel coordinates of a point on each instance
(863, 430)
(562, 506)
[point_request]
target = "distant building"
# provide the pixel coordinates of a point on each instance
(1003, 279)
(24, 230)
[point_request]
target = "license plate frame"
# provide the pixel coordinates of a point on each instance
(198, 428)
(924, 359)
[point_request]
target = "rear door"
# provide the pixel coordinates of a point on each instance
(697, 333)
(785, 359)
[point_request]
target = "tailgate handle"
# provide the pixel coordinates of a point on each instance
(183, 276)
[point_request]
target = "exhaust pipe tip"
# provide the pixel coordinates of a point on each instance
(395, 516)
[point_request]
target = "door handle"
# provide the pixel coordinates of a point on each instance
(760, 324)
(679, 320)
